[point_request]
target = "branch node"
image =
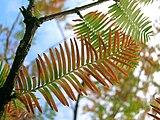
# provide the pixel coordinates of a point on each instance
(29, 18)
(78, 13)
(27, 14)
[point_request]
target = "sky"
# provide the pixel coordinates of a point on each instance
(48, 34)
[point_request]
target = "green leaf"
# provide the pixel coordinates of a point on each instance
(130, 18)
(4, 71)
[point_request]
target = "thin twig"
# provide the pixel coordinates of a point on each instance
(60, 29)
(67, 12)
(9, 35)
(77, 105)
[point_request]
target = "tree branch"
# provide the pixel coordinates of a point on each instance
(64, 13)
(30, 6)
(32, 24)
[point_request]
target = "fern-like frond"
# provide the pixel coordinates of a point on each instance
(156, 110)
(129, 17)
(94, 23)
(4, 70)
(63, 70)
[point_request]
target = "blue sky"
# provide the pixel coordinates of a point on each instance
(9, 10)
